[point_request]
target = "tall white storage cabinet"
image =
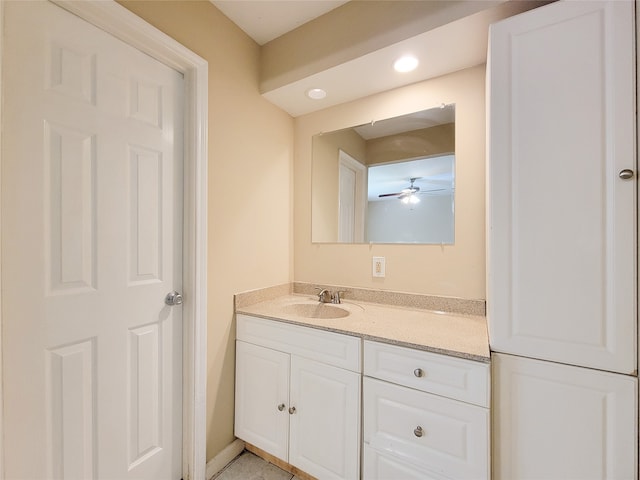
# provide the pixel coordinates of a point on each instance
(562, 241)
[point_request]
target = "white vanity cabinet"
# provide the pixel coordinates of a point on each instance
(426, 415)
(298, 395)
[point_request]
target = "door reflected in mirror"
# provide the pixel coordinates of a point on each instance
(391, 181)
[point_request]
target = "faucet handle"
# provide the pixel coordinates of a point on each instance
(335, 298)
(323, 293)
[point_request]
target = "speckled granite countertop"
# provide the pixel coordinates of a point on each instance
(453, 334)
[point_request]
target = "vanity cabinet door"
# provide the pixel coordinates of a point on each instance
(553, 421)
(325, 426)
(302, 411)
(262, 398)
(562, 229)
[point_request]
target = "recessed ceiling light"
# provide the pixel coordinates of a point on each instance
(406, 63)
(316, 93)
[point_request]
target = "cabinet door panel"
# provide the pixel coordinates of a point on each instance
(557, 421)
(325, 428)
(561, 222)
(262, 384)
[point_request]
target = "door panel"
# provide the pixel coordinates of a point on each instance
(347, 200)
(558, 422)
(561, 276)
(262, 419)
(71, 395)
(325, 428)
(91, 244)
(352, 198)
(70, 171)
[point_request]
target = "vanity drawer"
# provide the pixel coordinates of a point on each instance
(384, 466)
(327, 347)
(443, 436)
(451, 377)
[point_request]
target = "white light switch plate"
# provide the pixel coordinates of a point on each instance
(378, 266)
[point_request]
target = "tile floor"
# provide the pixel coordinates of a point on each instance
(248, 466)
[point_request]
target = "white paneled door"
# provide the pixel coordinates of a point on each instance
(91, 244)
(352, 201)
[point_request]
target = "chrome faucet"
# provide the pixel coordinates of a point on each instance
(327, 296)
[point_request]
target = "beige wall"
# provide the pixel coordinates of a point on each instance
(250, 171)
(452, 270)
(425, 142)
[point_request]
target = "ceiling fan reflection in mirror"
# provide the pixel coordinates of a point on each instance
(410, 194)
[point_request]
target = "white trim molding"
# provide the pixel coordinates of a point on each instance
(1, 138)
(224, 458)
(128, 27)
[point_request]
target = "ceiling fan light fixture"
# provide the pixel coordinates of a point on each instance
(410, 199)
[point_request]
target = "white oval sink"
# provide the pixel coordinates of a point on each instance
(316, 310)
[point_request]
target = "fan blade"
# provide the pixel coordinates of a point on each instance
(434, 190)
(390, 194)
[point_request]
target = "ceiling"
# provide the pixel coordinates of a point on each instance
(264, 20)
(451, 47)
(408, 123)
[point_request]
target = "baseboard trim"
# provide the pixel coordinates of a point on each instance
(287, 467)
(217, 463)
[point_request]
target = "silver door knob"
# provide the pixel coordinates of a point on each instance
(626, 174)
(292, 410)
(173, 298)
(418, 372)
(281, 407)
(418, 432)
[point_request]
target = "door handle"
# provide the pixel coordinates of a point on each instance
(173, 298)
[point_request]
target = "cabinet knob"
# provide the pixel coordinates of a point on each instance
(418, 372)
(292, 410)
(418, 432)
(281, 407)
(626, 174)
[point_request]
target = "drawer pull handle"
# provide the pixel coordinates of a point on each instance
(418, 372)
(626, 174)
(281, 407)
(292, 410)
(418, 432)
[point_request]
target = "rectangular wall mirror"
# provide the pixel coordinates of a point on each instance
(389, 181)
